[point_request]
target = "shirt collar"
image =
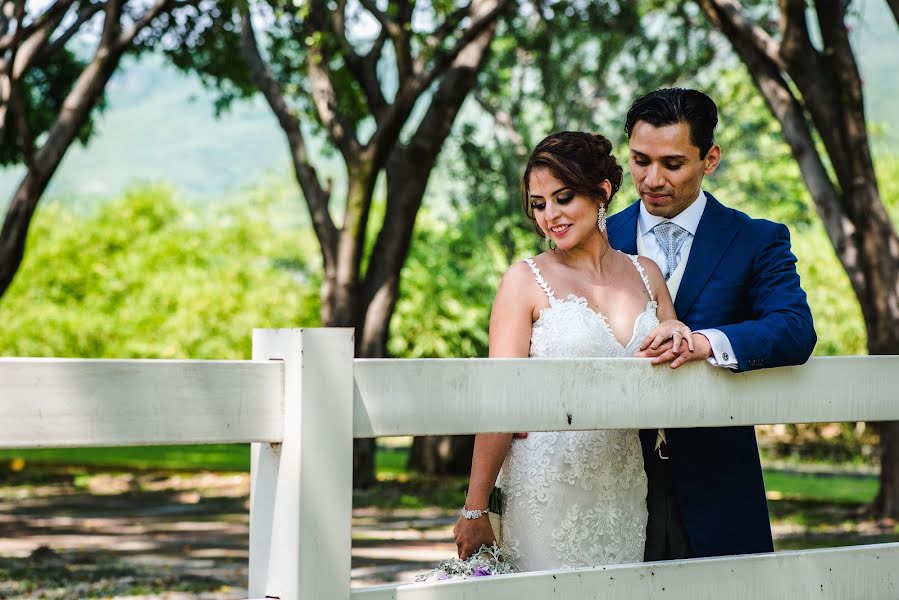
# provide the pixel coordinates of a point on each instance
(687, 218)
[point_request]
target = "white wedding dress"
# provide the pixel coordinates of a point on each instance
(575, 499)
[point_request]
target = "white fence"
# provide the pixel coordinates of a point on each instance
(303, 397)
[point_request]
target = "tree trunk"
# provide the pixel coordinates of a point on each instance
(886, 505)
(851, 208)
(441, 454)
(15, 226)
(350, 299)
(408, 170)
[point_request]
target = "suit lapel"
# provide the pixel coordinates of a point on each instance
(713, 236)
(623, 229)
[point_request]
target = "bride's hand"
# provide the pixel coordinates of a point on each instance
(654, 344)
(471, 534)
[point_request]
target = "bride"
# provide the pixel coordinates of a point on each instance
(571, 499)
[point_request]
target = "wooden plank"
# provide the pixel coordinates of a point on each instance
(300, 537)
(46, 403)
(450, 396)
(869, 572)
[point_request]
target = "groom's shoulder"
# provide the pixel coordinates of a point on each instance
(628, 210)
(751, 226)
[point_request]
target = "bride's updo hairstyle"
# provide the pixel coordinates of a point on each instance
(580, 160)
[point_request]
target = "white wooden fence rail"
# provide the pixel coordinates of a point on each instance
(303, 398)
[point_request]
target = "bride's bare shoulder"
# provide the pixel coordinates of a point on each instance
(517, 277)
(519, 282)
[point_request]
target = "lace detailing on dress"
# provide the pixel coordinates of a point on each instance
(539, 277)
(576, 498)
(588, 332)
(643, 276)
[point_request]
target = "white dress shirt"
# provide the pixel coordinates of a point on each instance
(722, 351)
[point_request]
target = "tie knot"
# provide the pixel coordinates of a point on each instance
(669, 230)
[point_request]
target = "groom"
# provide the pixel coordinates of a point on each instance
(734, 283)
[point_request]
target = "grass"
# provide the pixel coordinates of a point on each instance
(786, 485)
(389, 462)
(391, 466)
(213, 457)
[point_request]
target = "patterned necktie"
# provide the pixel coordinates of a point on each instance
(671, 237)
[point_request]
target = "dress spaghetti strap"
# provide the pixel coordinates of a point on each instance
(540, 280)
(643, 276)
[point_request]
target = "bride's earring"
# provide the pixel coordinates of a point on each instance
(601, 218)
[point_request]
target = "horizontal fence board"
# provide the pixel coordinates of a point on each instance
(58, 403)
(454, 396)
(862, 572)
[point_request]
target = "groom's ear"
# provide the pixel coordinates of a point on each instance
(712, 159)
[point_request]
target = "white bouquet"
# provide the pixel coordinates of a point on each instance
(488, 560)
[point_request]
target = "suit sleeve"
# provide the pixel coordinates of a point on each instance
(781, 331)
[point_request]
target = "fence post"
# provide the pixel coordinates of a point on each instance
(301, 489)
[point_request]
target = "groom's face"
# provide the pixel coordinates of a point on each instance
(666, 167)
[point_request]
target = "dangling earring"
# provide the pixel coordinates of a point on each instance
(601, 218)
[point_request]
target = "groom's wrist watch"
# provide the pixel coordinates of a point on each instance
(473, 514)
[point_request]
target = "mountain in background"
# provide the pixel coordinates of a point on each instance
(160, 126)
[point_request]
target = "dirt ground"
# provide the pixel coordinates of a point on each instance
(173, 536)
(178, 536)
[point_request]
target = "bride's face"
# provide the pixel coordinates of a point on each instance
(568, 219)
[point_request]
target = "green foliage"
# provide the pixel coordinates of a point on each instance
(758, 174)
(144, 276)
(448, 285)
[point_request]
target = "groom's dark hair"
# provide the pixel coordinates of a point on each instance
(669, 106)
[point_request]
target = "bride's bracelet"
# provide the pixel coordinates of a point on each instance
(473, 514)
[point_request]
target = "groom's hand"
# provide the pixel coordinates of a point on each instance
(702, 349)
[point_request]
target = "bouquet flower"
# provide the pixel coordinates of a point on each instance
(488, 560)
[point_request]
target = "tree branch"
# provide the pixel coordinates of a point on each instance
(55, 11)
(484, 14)
(19, 114)
(439, 35)
(504, 120)
(732, 11)
(363, 69)
(316, 197)
(382, 18)
(324, 96)
(84, 15)
(838, 51)
(410, 90)
(796, 47)
(396, 30)
(815, 75)
(409, 167)
(25, 54)
(894, 6)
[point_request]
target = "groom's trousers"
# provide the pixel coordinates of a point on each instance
(665, 535)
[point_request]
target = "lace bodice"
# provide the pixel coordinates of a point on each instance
(576, 498)
(569, 328)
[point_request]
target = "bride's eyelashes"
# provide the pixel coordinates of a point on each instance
(563, 200)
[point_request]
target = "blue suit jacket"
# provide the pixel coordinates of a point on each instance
(741, 278)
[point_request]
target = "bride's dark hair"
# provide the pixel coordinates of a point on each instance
(580, 160)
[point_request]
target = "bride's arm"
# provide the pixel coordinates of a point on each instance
(510, 337)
